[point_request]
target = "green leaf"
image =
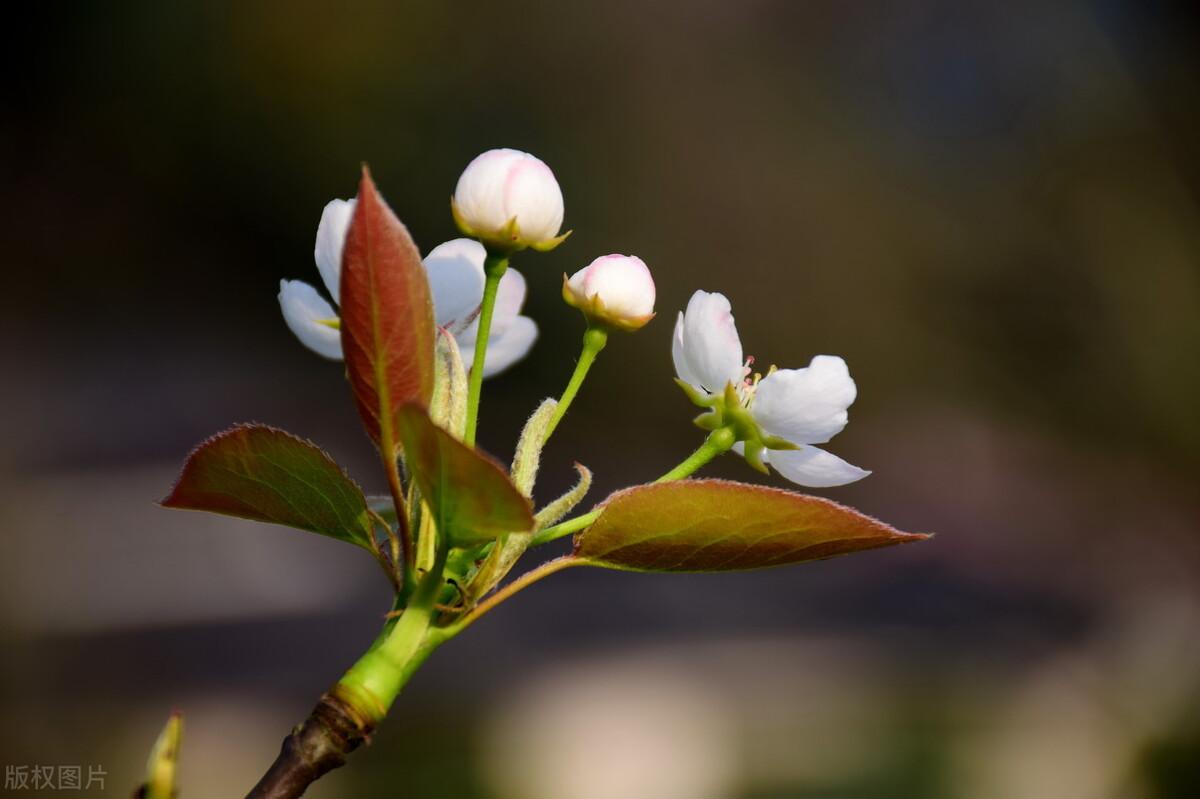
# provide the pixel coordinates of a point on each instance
(470, 496)
(387, 317)
(268, 475)
(719, 525)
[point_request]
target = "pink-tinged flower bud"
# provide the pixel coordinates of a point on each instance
(509, 200)
(617, 290)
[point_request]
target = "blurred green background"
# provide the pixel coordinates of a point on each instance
(990, 210)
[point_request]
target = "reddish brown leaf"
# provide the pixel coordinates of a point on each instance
(471, 497)
(720, 525)
(268, 475)
(387, 316)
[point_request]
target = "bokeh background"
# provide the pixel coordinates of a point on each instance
(990, 210)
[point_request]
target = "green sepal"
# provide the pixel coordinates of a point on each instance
(507, 239)
(696, 397)
(730, 396)
(726, 411)
(752, 451)
(546, 245)
(504, 241)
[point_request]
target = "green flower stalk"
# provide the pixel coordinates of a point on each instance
(614, 292)
(494, 268)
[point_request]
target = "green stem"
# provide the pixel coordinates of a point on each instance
(392, 468)
(594, 339)
(564, 528)
(373, 683)
(346, 716)
(524, 581)
(494, 267)
(718, 441)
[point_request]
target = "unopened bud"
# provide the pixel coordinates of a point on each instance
(617, 290)
(509, 200)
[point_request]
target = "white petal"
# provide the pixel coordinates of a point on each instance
(535, 199)
(711, 344)
(506, 349)
(682, 369)
(806, 406)
(480, 190)
(331, 239)
(455, 271)
(810, 466)
(304, 310)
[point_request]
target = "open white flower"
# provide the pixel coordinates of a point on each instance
(509, 199)
(455, 272)
(801, 407)
(615, 289)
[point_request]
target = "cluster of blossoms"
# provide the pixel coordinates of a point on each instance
(508, 200)
(418, 335)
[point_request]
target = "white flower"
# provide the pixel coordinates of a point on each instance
(504, 186)
(456, 280)
(455, 272)
(617, 289)
(800, 406)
